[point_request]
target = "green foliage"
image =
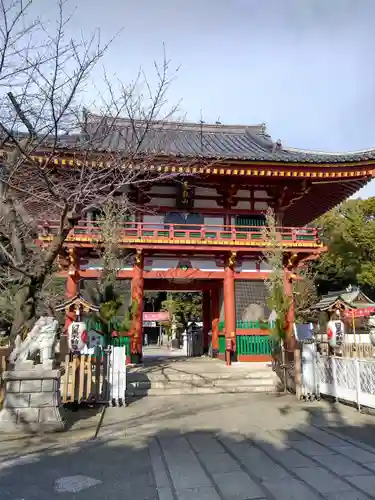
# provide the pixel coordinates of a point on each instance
(108, 310)
(184, 307)
(127, 320)
(349, 233)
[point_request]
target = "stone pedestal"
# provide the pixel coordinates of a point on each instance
(32, 400)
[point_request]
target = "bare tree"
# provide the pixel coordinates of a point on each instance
(274, 257)
(43, 75)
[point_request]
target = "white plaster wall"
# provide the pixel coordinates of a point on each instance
(249, 266)
(242, 193)
(154, 221)
(261, 194)
(160, 264)
(163, 202)
(205, 204)
(203, 191)
(213, 222)
(243, 205)
(162, 189)
(205, 265)
(260, 205)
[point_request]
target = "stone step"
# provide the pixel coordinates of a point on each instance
(166, 384)
(193, 377)
(177, 391)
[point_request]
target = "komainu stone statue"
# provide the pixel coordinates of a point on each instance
(253, 312)
(41, 339)
(32, 391)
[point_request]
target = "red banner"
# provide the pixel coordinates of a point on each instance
(360, 313)
(156, 316)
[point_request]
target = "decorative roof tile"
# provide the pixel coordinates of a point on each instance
(224, 142)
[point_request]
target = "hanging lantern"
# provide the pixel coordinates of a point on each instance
(335, 330)
(77, 336)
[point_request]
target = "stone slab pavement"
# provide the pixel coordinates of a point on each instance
(233, 447)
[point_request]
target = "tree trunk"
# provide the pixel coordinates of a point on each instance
(26, 296)
(25, 307)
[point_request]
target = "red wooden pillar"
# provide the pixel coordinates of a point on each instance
(289, 320)
(206, 319)
(72, 285)
(215, 319)
(137, 297)
(229, 306)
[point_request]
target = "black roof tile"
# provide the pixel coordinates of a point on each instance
(181, 139)
(227, 142)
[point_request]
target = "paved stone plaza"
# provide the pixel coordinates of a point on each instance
(234, 447)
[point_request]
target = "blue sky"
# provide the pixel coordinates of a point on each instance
(304, 67)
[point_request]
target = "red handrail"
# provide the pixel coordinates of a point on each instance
(167, 231)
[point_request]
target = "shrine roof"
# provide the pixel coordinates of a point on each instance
(351, 299)
(78, 301)
(184, 139)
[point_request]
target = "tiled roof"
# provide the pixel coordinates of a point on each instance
(192, 140)
(354, 299)
(231, 142)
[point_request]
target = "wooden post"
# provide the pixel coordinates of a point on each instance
(229, 304)
(354, 332)
(137, 297)
(289, 320)
(71, 291)
(290, 339)
(215, 319)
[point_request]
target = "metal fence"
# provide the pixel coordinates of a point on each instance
(349, 379)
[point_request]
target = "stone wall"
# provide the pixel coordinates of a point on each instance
(32, 400)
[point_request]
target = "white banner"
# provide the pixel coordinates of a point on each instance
(117, 376)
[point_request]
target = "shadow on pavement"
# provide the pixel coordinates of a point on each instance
(295, 451)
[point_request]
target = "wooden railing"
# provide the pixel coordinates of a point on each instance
(144, 232)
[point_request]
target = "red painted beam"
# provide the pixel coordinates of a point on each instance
(190, 274)
(172, 247)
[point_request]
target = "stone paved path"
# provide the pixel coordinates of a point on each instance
(200, 448)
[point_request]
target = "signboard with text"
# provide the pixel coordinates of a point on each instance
(149, 324)
(360, 313)
(156, 316)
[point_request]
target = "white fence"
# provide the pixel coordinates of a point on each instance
(349, 379)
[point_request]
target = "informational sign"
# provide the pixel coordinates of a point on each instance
(304, 331)
(360, 313)
(149, 324)
(156, 316)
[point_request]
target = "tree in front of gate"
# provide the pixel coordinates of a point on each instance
(114, 313)
(273, 256)
(183, 308)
